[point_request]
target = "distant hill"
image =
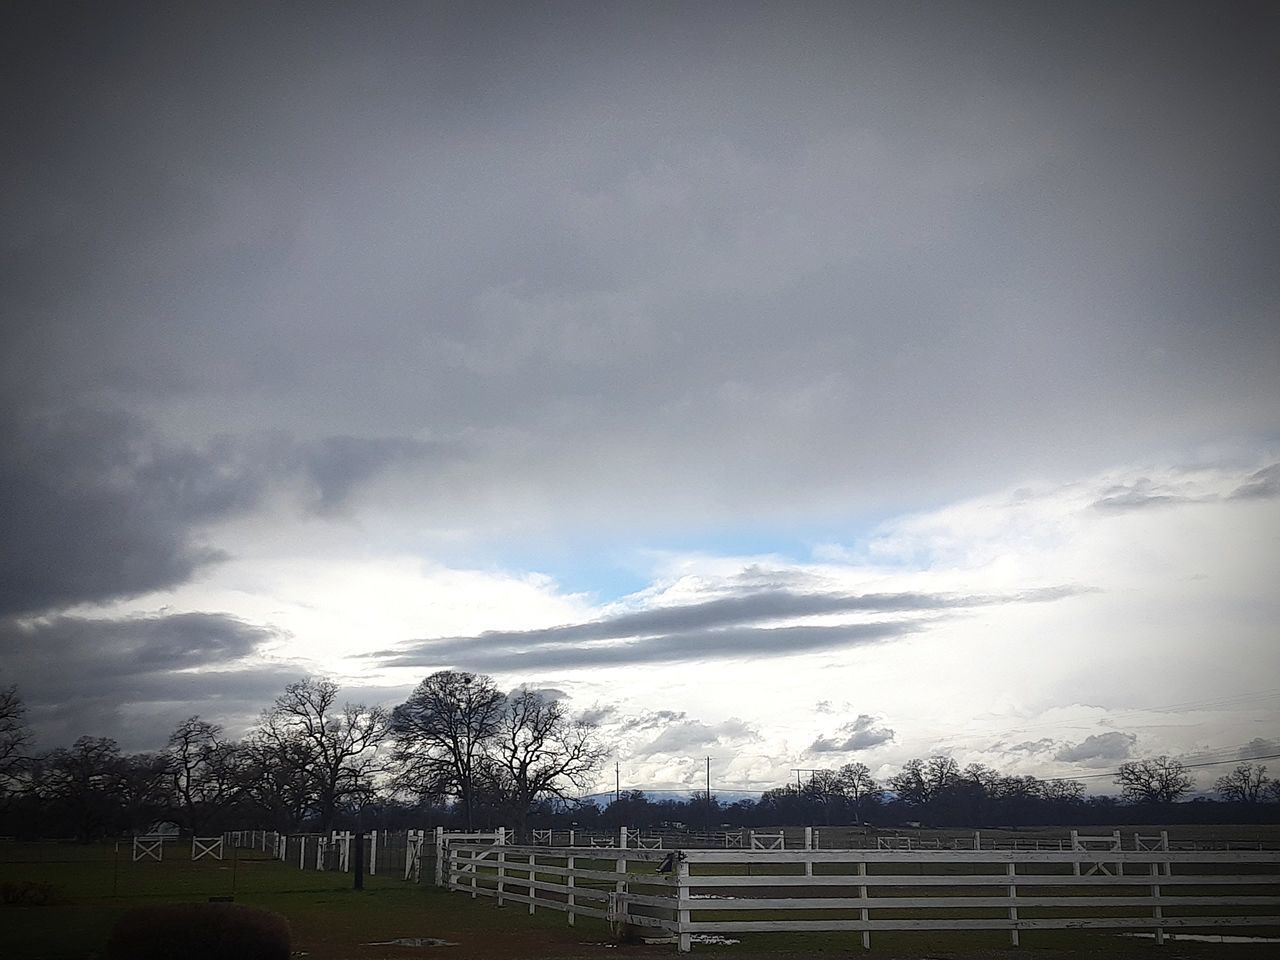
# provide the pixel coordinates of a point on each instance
(724, 797)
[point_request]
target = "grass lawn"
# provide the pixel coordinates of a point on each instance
(330, 921)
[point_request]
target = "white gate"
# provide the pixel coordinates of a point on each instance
(206, 847)
(144, 847)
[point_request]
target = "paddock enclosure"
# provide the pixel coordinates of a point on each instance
(914, 893)
(1097, 883)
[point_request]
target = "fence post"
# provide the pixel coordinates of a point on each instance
(373, 852)
(533, 876)
(864, 914)
(622, 837)
(302, 853)
(620, 885)
(1011, 870)
(502, 873)
(439, 856)
(808, 846)
(1157, 911)
(413, 840)
(569, 883)
(682, 903)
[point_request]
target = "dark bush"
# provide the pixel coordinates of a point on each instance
(199, 931)
(29, 893)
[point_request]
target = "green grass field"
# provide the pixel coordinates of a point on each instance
(331, 921)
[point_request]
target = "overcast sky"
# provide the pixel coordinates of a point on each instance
(790, 384)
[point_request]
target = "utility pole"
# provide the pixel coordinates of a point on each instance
(617, 780)
(708, 794)
(799, 770)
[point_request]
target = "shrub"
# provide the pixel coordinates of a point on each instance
(199, 931)
(29, 893)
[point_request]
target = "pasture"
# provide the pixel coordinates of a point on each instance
(93, 885)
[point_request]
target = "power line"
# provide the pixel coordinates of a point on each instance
(1116, 773)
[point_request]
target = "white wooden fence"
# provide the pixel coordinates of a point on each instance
(743, 891)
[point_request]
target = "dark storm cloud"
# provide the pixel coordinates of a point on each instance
(135, 645)
(760, 607)
(127, 678)
(337, 467)
(97, 506)
(94, 507)
(861, 733)
(723, 258)
(724, 628)
(727, 644)
(1099, 748)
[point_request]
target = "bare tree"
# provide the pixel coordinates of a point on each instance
(343, 740)
(858, 786)
(441, 733)
(83, 783)
(541, 752)
(15, 735)
(1158, 780)
(143, 789)
(1062, 791)
(923, 780)
(199, 764)
(826, 787)
(1247, 783)
(277, 775)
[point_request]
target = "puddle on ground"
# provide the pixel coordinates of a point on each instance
(1207, 937)
(412, 942)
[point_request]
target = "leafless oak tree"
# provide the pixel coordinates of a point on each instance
(540, 752)
(1157, 780)
(922, 780)
(343, 740)
(858, 786)
(441, 733)
(15, 735)
(1247, 783)
(200, 765)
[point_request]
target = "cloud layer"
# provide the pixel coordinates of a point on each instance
(724, 628)
(649, 353)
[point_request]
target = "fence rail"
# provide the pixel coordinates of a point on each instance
(709, 891)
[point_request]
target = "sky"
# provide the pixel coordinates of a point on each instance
(791, 385)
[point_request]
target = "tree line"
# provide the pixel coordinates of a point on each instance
(455, 745)
(463, 753)
(938, 791)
